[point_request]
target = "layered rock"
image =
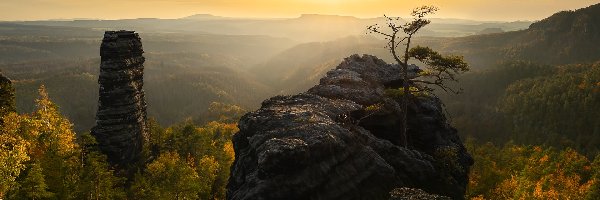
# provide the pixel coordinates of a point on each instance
(7, 96)
(326, 143)
(121, 118)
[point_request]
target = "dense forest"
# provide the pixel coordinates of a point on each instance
(527, 112)
(43, 158)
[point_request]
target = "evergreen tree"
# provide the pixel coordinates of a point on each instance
(97, 180)
(34, 185)
(439, 69)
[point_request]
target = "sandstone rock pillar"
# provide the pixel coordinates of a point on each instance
(121, 118)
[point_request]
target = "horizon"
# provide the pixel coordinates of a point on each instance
(220, 17)
(490, 10)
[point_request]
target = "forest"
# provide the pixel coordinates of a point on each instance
(527, 113)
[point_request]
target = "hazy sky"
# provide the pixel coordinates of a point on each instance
(118, 9)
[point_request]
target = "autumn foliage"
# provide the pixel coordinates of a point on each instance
(531, 172)
(41, 157)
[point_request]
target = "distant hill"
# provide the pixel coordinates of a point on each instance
(184, 72)
(490, 31)
(19, 42)
(192, 62)
(297, 68)
(203, 17)
(177, 85)
(563, 38)
(306, 28)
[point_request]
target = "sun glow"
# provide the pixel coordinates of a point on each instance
(105, 9)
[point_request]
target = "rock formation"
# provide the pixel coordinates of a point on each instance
(7, 96)
(121, 118)
(329, 142)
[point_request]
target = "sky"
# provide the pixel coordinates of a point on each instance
(498, 10)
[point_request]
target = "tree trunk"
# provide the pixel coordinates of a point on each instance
(405, 94)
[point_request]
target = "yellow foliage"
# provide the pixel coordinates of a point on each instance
(207, 170)
(31, 137)
(55, 131)
(374, 107)
(529, 172)
(13, 152)
(168, 177)
(228, 149)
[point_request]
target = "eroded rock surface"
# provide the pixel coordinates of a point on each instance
(121, 117)
(320, 145)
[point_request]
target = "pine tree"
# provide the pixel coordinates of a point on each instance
(34, 185)
(97, 180)
(439, 69)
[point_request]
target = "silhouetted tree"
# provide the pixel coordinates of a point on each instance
(438, 70)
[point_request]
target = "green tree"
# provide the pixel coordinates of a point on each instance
(34, 185)
(221, 112)
(55, 147)
(439, 69)
(97, 179)
(168, 177)
(208, 148)
(7, 97)
(207, 170)
(538, 106)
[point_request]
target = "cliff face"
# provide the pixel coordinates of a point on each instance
(7, 96)
(326, 144)
(121, 118)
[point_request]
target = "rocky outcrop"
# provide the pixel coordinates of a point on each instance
(340, 140)
(121, 118)
(7, 96)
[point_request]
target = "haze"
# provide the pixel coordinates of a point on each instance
(501, 10)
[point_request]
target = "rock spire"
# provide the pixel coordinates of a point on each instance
(121, 118)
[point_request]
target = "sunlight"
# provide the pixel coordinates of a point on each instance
(331, 1)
